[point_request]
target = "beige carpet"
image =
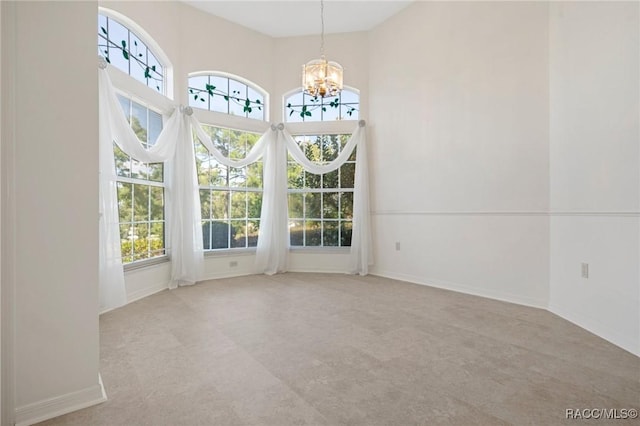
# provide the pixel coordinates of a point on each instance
(322, 349)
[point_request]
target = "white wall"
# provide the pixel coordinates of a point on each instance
(459, 154)
(595, 167)
(52, 144)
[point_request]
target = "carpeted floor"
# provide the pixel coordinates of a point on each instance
(323, 349)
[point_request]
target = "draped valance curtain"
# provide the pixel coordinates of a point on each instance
(175, 148)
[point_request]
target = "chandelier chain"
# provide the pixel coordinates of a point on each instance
(322, 29)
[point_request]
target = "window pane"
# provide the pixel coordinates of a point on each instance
(312, 205)
(125, 206)
(220, 234)
(219, 175)
(254, 202)
(138, 170)
(237, 144)
(312, 181)
(206, 234)
(122, 161)
(141, 241)
(330, 147)
(239, 234)
(347, 175)
(295, 174)
(156, 239)
(346, 205)
(238, 205)
(254, 175)
(156, 172)
(197, 98)
(125, 103)
(220, 204)
(156, 203)
(345, 234)
(205, 204)
(155, 126)
(140, 203)
(253, 228)
(330, 180)
(237, 94)
(237, 177)
(139, 122)
(295, 206)
(126, 242)
(257, 110)
(331, 113)
(330, 205)
(330, 234)
(313, 233)
(218, 103)
(296, 233)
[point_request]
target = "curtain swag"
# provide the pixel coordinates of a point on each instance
(174, 146)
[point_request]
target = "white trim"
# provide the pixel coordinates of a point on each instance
(322, 127)
(598, 328)
(503, 213)
(217, 276)
(234, 122)
(462, 288)
(59, 405)
(131, 88)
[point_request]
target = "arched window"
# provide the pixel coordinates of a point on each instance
(141, 186)
(126, 50)
(221, 92)
(230, 198)
(321, 206)
(299, 107)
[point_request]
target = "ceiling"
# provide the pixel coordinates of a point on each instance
(302, 17)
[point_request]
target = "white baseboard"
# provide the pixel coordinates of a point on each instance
(147, 291)
(59, 405)
(461, 288)
(596, 327)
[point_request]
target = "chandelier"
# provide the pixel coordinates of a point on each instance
(319, 76)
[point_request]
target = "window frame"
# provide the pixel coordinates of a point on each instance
(232, 122)
(230, 189)
(230, 118)
(318, 128)
(152, 45)
(129, 87)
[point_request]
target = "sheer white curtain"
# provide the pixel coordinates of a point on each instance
(175, 148)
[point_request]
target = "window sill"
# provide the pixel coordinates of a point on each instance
(140, 264)
(320, 250)
(230, 252)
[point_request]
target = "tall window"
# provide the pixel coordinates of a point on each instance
(141, 187)
(321, 206)
(230, 198)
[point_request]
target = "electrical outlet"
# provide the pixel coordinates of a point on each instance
(233, 263)
(585, 270)
(397, 245)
